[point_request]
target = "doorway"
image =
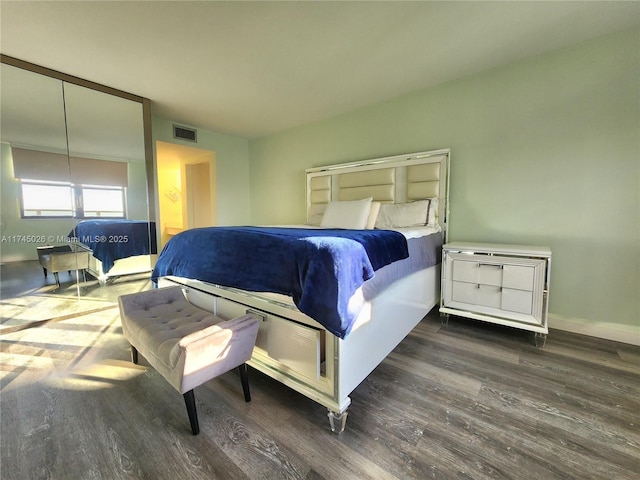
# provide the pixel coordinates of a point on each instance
(186, 189)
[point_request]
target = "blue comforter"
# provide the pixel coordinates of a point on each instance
(319, 268)
(111, 240)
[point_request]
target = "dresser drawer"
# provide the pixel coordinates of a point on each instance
(498, 271)
(520, 277)
(476, 294)
(507, 299)
(475, 271)
(519, 301)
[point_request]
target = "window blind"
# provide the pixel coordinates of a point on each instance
(55, 167)
(35, 165)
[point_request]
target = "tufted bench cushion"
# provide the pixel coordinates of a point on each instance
(157, 328)
(185, 344)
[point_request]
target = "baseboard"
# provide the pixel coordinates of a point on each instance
(609, 331)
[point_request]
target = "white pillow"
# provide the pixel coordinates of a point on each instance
(412, 214)
(373, 216)
(315, 215)
(432, 218)
(347, 214)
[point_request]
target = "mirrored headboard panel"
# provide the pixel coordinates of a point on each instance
(394, 179)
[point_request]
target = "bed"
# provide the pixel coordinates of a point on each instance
(302, 347)
(118, 246)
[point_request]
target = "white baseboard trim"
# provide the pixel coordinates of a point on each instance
(609, 331)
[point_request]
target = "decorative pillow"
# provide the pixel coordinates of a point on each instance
(412, 214)
(315, 215)
(373, 215)
(347, 214)
(432, 216)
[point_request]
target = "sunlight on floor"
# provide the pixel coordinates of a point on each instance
(68, 354)
(105, 374)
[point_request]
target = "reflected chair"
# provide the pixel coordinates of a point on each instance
(60, 258)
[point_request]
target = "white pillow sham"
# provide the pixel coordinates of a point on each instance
(432, 218)
(347, 214)
(316, 213)
(373, 215)
(411, 214)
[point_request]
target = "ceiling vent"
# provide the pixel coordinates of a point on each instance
(184, 133)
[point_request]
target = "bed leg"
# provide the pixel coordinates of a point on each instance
(134, 355)
(337, 421)
(540, 339)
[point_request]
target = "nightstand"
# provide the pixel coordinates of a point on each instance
(497, 283)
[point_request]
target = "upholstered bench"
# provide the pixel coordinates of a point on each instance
(62, 258)
(185, 344)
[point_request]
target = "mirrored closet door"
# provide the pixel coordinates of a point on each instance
(73, 153)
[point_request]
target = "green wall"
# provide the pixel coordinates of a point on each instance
(232, 169)
(544, 151)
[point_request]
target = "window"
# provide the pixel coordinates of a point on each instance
(46, 200)
(57, 199)
(102, 202)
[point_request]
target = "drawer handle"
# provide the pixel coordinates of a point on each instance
(490, 265)
(260, 315)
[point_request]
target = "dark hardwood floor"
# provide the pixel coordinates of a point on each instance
(462, 401)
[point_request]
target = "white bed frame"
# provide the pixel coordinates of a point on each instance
(122, 266)
(295, 349)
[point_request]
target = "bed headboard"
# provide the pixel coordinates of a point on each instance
(395, 179)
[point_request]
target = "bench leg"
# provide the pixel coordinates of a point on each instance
(190, 402)
(134, 355)
(244, 378)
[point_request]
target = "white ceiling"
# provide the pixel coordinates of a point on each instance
(256, 68)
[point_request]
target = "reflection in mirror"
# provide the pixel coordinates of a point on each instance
(32, 110)
(106, 150)
(33, 120)
(71, 155)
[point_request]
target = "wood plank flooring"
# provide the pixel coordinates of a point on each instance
(462, 401)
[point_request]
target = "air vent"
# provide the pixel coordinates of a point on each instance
(184, 133)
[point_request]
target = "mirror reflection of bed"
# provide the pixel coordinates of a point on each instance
(62, 132)
(339, 327)
(118, 246)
